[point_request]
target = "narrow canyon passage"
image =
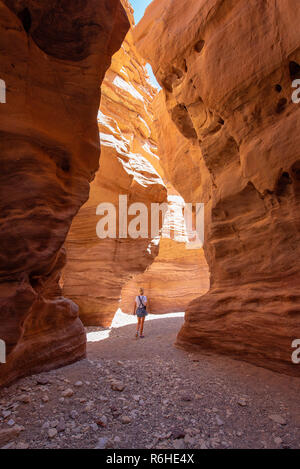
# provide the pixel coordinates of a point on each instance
(132, 393)
(161, 157)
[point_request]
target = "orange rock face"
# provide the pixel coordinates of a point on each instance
(178, 274)
(98, 268)
(230, 136)
(53, 59)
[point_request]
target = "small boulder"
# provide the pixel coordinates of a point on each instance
(117, 386)
(125, 419)
(52, 432)
(67, 392)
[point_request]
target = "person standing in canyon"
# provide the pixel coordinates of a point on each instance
(140, 309)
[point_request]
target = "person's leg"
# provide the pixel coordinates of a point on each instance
(138, 325)
(142, 326)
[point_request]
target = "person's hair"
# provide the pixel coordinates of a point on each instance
(141, 291)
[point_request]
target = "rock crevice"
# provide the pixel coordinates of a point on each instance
(97, 268)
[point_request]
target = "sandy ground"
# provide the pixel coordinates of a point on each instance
(145, 393)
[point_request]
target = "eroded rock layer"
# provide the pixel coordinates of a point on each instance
(178, 274)
(53, 58)
(230, 134)
(98, 268)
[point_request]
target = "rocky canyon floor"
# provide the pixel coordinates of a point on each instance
(144, 393)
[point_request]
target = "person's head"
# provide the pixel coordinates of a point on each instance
(141, 291)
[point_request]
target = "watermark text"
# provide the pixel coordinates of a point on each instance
(296, 353)
(296, 93)
(139, 220)
(2, 351)
(2, 92)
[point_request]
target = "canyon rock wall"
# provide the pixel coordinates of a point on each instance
(230, 135)
(53, 58)
(98, 268)
(178, 274)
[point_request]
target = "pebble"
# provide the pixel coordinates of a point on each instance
(125, 419)
(42, 380)
(102, 421)
(242, 402)
(219, 421)
(90, 406)
(278, 419)
(188, 440)
(67, 392)
(186, 398)
(117, 386)
(61, 426)
(22, 445)
(73, 414)
(52, 432)
(178, 433)
(178, 444)
(103, 443)
(25, 398)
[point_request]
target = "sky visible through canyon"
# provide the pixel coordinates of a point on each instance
(139, 10)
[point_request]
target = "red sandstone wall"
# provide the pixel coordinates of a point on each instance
(53, 59)
(230, 136)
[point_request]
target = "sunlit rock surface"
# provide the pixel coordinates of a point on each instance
(53, 59)
(97, 269)
(179, 273)
(231, 137)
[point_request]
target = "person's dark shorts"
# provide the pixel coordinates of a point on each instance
(141, 313)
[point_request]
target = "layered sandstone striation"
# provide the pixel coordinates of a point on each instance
(53, 58)
(178, 274)
(98, 268)
(229, 137)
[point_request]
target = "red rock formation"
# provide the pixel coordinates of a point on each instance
(230, 133)
(178, 274)
(97, 269)
(53, 58)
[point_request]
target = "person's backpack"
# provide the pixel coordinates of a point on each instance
(142, 307)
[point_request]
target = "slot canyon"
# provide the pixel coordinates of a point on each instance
(192, 103)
